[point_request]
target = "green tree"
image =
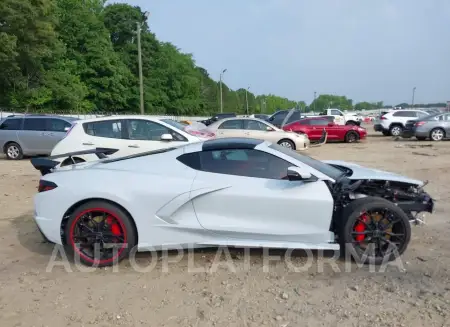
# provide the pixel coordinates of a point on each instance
(325, 101)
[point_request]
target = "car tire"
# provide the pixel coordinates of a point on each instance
(287, 144)
(396, 130)
(109, 223)
(13, 151)
(437, 134)
(351, 216)
(421, 138)
(68, 161)
(351, 137)
(386, 133)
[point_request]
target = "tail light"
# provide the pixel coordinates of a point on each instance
(46, 186)
(420, 123)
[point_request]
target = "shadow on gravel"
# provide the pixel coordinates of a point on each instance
(29, 235)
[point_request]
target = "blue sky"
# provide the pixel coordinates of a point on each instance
(364, 49)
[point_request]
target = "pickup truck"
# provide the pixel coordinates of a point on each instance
(341, 118)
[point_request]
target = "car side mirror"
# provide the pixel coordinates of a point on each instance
(269, 129)
(297, 174)
(166, 137)
(66, 129)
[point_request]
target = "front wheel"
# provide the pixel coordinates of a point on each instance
(99, 234)
(351, 137)
(374, 231)
(287, 144)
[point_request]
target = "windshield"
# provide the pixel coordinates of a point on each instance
(323, 167)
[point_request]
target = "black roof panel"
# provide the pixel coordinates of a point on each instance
(230, 143)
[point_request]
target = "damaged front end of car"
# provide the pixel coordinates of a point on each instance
(411, 198)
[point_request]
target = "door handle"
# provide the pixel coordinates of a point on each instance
(88, 143)
(133, 146)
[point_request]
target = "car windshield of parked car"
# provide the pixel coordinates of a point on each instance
(323, 167)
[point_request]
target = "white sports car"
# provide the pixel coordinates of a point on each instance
(224, 192)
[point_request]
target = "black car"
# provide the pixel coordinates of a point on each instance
(217, 117)
(278, 117)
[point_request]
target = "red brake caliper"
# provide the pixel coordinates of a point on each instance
(361, 227)
(115, 229)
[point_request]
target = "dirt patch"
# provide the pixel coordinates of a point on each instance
(416, 295)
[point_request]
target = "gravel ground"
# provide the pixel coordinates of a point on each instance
(248, 292)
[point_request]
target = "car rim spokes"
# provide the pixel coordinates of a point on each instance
(13, 151)
(437, 135)
(378, 233)
(286, 144)
(98, 235)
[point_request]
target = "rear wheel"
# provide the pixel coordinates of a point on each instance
(374, 231)
(13, 151)
(396, 130)
(99, 234)
(351, 137)
(287, 144)
(437, 134)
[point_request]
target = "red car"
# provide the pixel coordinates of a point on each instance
(313, 127)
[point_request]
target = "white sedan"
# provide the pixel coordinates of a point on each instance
(128, 134)
(224, 192)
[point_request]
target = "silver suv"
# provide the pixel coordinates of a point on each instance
(32, 134)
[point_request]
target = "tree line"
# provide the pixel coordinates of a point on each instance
(81, 56)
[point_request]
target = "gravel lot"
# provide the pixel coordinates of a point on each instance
(413, 292)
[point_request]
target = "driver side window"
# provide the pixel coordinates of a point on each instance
(238, 162)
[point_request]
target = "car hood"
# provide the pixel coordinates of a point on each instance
(360, 172)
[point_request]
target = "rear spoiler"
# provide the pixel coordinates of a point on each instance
(46, 164)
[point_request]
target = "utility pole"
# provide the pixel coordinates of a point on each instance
(314, 101)
(141, 76)
(414, 92)
(221, 95)
(246, 98)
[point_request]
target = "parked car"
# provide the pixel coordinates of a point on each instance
(393, 122)
(128, 134)
(258, 129)
(435, 127)
(314, 126)
(233, 192)
(279, 117)
(217, 117)
(29, 135)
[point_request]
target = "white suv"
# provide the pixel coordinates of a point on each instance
(393, 122)
(128, 134)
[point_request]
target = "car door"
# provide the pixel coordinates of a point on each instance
(339, 118)
(108, 133)
(145, 135)
(256, 129)
(316, 128)
(34, 138)
(446, 124)
(231, 128)
(57, 129)
(245, 194)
